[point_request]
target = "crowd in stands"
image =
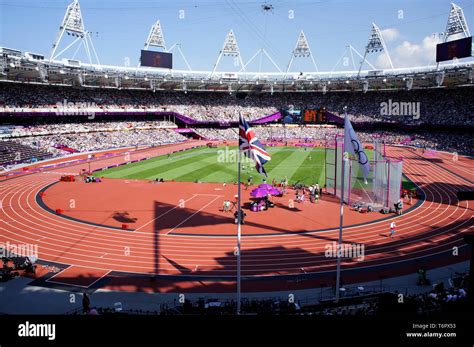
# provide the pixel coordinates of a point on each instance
(85, 127)
(452, 142)
(61, 139)
(41, 141)
(439, 299)
(95, 141)
(11, 152)
(441, 106)
(442, 298)
(460, 142)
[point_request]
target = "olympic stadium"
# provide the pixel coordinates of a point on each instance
(260, 185)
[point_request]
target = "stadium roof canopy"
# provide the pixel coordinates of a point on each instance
(17, 66)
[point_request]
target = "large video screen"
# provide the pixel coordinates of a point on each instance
(454, 49)
(290, 115)
(315, 116)
(156, 59)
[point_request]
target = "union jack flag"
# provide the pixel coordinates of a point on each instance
(251, 146)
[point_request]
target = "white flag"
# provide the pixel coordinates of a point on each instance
(352, 145)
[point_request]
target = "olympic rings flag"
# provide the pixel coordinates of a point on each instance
(353, 146)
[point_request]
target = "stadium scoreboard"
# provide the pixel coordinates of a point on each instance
(305, 116)
(314, 116)
(156, 59)
(456, 49)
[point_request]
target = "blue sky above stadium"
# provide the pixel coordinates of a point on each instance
(120, 28)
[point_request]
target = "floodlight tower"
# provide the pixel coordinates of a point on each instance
(157, 39)
(73, 25)
(301, 50)
(456, 24)
(376, 44)
(231, 49)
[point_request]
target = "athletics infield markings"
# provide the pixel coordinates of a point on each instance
(75, 270)
(191, 216)
(179, 206)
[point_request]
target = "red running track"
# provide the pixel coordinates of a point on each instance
(428, 232)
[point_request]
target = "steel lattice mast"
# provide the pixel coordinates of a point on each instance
(376, 44)
(73, 25)
(301, 50)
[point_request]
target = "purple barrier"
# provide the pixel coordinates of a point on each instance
(267, 119)
(407, 140)
(183, 118)
(184, 130)
(331, 117)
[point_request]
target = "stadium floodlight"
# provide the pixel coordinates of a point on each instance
(73, 25)
(376, 44)
(301, 50)
(156, 37)
(457, 23)
(231, 49)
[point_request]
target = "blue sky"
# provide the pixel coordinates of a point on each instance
(120, 28)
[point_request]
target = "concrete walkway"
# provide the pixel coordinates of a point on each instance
(17, 297)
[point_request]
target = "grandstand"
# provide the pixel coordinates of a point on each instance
(15, 153)
(160, 191)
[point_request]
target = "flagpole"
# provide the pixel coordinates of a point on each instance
(239, 214)
(339, 244)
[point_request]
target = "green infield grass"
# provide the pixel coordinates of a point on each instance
(220, 165)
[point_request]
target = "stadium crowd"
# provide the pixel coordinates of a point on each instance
(439, 299)
(85, 127)
(62, 139)
(450, 107)
(39, 141)
(95, 141)
(460, 142)
(441, 106)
